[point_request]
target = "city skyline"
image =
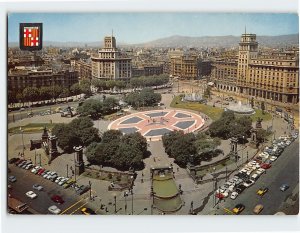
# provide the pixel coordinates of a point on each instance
(134, 28)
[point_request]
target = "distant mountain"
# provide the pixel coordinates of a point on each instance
(220, 41)
(186, 41)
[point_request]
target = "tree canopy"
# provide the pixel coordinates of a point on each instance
(146, 97)
(118, 150)
(79, 131)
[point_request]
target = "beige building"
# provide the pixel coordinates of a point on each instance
(274, 75)
(183, 66)
(110, 63)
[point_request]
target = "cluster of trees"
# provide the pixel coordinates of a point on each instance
(139, 82)
(96, 108)
(78, 132)
(107, 85)
(118, 150)
(231, 126)
(189, 147)
(149, 81)
(144, 98)
(34, 94)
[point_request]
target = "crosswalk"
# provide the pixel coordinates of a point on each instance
(76, 207)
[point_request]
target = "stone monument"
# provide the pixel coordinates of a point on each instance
(79, 164)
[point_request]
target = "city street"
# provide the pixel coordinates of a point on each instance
(25, 179)
(285, 170)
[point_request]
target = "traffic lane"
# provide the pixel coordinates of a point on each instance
(25, 180)
(273, 179)
(18, 115)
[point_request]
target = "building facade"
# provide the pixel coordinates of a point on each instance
(110, 63)
(184, 66)
(19, 79)
(148, 70)
(271, 75)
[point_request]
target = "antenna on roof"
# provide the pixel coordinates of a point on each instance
(245, 30)
(112, 32)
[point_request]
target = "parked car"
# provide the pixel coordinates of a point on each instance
(13, 160)
(41, 171)
(31, 194)
(68, 183)
(35, 169)
(238, 208)
(19, 161)
(62, 181)
(29, 166)
(273, 158)
(12, 179)
(240, 188)
(265, 165)
(82, 189)
(248, 183)
(258, 208)
(284, 187)
(54, 209)
(58, 199)
(37, 187)
(234, 195)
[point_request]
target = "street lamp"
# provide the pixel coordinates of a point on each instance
(125, 195)
(22, 139)
(90, 184)
(115, 199)
(131, 191)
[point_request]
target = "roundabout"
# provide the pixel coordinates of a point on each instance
(154, 124)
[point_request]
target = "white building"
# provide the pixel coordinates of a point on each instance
(110, 63)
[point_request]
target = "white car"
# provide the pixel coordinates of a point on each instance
(62, 181)
(260, 171)
(234, 195)
(58, 179)
(45, 175)
(248, 183)
(31, 194)
(231, 188)
(288, 142)
(255, 176)
(54, 209)
(273, 158)
(33, 170)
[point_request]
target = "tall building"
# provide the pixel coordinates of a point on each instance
(184, 66)
(110, 63)
(271, 75)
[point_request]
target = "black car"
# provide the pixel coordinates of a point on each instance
(13, 160)
(240, 188)
(82, 189)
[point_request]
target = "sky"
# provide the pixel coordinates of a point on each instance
(133, 28)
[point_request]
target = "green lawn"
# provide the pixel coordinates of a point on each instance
(258, 113)
(31, 128)
(213, 112)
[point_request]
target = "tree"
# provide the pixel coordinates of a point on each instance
(75, 89)
(146, 97)
(109, 105)
(45, 93)
(180, 146)
(136, 140)
(111, 135)
(67, 139)
(31, 94)
(262, 135)
(110, 84)
(20, 98)
(91, 107)
(56, 91)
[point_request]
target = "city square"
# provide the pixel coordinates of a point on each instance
(149, 131)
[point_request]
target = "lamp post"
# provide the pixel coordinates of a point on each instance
(34, 155)
(131, 191)
(115, 199)
(125, 196)
(74, 167)
(67, 170)
(90, 184)
(22, 139)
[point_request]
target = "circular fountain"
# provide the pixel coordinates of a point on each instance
(239, 108)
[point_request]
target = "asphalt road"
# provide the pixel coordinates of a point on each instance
(285, 170)
(25, 179)
(19, 115)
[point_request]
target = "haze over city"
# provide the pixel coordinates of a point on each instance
(133, 28)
